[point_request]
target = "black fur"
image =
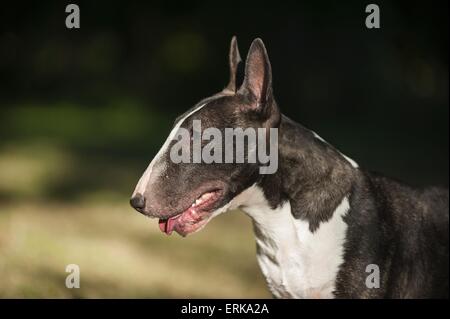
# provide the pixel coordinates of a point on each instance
(401, 229)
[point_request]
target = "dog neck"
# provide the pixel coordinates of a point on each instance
(298, 212)
(312, 175)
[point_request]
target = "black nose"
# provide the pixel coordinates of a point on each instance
(138, 201)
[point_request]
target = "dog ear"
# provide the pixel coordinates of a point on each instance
(257, 85)
(234, 59)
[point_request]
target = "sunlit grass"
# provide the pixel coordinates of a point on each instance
(122, 254)
(27, 169)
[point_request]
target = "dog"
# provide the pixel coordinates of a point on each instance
(324, 227)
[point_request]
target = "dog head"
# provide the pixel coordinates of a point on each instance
(186, 194)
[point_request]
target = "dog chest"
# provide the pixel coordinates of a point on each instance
(296, 262)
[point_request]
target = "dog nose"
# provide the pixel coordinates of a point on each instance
(138, 201)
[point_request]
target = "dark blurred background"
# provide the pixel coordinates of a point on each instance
(83, 111)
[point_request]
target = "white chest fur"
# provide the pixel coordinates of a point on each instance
(296, 262)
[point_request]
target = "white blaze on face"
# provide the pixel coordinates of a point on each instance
(155, 171)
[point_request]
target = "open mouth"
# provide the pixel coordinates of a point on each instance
(194, 217)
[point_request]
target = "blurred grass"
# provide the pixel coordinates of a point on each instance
(66, 173)
(122, 254)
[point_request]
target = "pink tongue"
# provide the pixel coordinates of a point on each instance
(167, 225)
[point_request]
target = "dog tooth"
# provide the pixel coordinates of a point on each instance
(207, 195)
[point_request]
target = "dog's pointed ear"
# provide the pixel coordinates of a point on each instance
(257, 85)
(234, 60)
